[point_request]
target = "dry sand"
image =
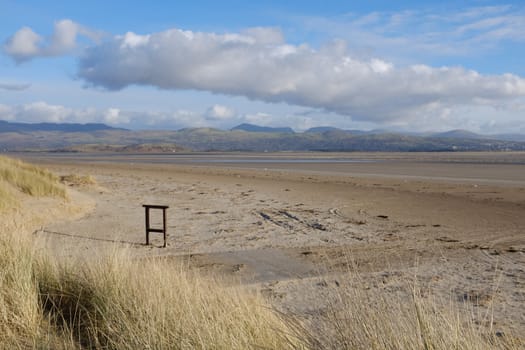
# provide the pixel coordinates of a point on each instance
(455, 221)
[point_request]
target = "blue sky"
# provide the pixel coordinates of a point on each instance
(404, 65)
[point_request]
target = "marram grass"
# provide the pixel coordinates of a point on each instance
(122, 303)
(357, 318)
(28, 179)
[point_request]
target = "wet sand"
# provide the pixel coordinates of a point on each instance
(456, 221)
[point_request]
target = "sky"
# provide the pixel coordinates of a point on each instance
(389, 65)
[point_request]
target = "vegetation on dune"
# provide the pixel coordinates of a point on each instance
(118, 302)
(121, 303)
(7, 199)
(361, 318)
(78, 180)
(16, 175)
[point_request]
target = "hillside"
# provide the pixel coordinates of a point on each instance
(63, 127)
(133, 148)
(459, 134)
(257, 128)
(209, 139)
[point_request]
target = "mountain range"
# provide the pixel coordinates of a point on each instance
(244, 137)
(257, 128)
(451, 134)
(64, 127)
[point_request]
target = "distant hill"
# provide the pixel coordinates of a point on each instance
(64, 127)
(509, 137)
(321, 129)
(246, 137)
(459, 134)
(330, 130)
(257, 128)
(133, 148)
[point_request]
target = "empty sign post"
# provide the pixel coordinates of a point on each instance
(149, 229)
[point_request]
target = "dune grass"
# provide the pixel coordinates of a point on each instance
(28, 179)
(360, 318)
(120, 302)
(78, 180)
(7, 199)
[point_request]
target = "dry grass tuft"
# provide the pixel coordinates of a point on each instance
(357, 318)
(78, 180)
(28, 179)
(7, 199)
(121, 303)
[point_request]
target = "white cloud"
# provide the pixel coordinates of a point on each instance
(25, 44)
(114, 116)
(265, 35)
(132, 40)
(259, 118)
(41, 111)
(5, 112)
(38, 112)
(220, 112)
(64, 37)
(329, 78)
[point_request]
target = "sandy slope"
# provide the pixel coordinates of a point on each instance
(292, 233)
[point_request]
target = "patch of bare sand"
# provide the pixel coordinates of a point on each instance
(296, 235)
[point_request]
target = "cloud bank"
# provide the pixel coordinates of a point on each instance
(224, 117)
(40, 111)
(259, 65)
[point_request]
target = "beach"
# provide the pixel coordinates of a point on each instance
(294, 226)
